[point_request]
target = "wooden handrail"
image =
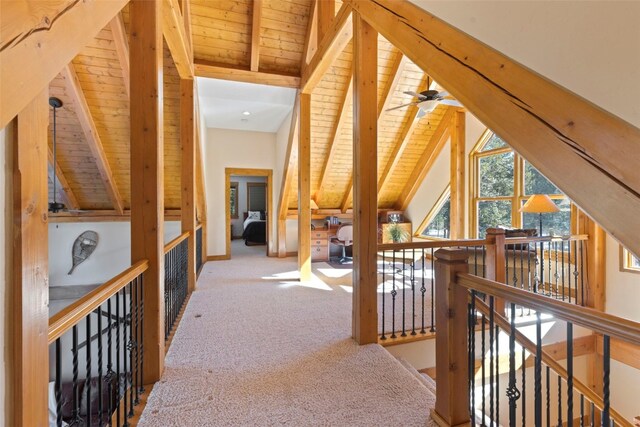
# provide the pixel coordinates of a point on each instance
(597, 321)
(64, 320)
(532, 239)
(175, 242)
(431, 244)
(525, 342)
(198, 227)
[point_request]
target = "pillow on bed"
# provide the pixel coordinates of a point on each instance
(253, 215)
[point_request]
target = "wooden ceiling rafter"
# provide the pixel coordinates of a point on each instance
(55, 172)
(290, 161)
(75, 91)
(255, 35)
(330, 47)
(31, 58)
(333, 141)
(428, 157)
(326, 12)
(217, 71)
(175, 34)
(121, 42)
(311, 38)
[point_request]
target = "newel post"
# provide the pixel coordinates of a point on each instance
(452, 372)
(496, 260)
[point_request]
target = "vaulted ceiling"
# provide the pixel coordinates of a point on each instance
(266, 41)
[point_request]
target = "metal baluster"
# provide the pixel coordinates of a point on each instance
(100, 378)
(497, 360)
(404, 312)
(606, 363)
(491, 371)
(75, 413)
(575, 268)
(118, 372)
(548, 397)
(413, 292)
(131, 346)
(555, 274)
(562, 263)
(541, 279)
(384, 279)
(592, 414)
(559, 400)
(393, 297)
(423, 290)
(581, 274)
(483, 350)
(524, 387)
(569, 372)
(472, 356)
(135, 373)
(58, 383)
(110, 374)
(125, 347)
(484, 261)
(529, 278)
(433, 296)
(568, 258)
(521, 276)
(141, 343)
(475, 260)
(549, 267)
(512, 391)
(581, 410)
(538, 372)
(87, 380)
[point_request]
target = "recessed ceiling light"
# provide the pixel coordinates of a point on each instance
(246, 113)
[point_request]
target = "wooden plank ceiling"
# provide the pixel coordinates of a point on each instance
(257, 40)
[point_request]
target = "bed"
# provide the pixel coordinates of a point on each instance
(254, 228)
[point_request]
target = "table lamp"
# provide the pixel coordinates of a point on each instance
(539, 203)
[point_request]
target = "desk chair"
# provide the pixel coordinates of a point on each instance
(344, 238)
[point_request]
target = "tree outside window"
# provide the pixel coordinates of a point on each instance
(233, 202)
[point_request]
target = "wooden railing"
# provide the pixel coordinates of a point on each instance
(176, 280)
(199, 254)
(110, 319)
(460, 312)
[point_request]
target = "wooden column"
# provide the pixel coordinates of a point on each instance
(29, 361)
(326, 13)
(452, 372)
(365, 178)
(147, 173)
(495, 261)
(188, 179)
(304, 188)
(458, 176)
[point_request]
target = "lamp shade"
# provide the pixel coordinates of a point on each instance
(539, 203)
(313, 204)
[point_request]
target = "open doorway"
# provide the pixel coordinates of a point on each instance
(249, 202)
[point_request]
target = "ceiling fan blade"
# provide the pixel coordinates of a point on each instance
(421, 114)
(401, 106)
(443, 93)
(412, 93)
(452, 102)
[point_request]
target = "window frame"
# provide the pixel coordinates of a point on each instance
(234, 204)
(431, 215)
(518, 196)
(626, 262)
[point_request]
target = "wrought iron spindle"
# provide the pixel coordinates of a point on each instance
(423, 290)
(483, 351)
(569, 371)
(58, 384)
(131, 347)
(141, 341)
(497, 361)
(433, 296)
(384, 280)
(109, 376)
(134, 371)
(75, 413)
(118, 371)
(404, 309)
(524, 387)
(559, 400)
(413, 292)
(562, 274)
(87, 380)
(394, 292)
(581, 274)
(472, 354)
(606, 368)
(547, 387)
(100, 349)
(512, 391)
(538, 372)
(555, 273)
(491, 355)
(125, 365)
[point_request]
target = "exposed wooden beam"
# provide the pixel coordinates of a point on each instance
(121, 41)
(582, 346)
(290, 159)
(311, 39)
(186, 15)
(330, 47)
(304, 188)
(74, 90)
(216, 71)
(397, 67)
(175, 35)
(30, 291)
(326, 13)
(55, 171)
(457, 176)
(105, 216)
(337, 131)
(37, 42)
(365, 160)
(544, 122)
(201, 195)
(188, 175)
(621, 351)
(430, 154)
(147, 174)
(255, 35)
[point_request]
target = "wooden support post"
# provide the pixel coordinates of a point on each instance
(495, 261)
(365, 187)
(452, 399)
(147, 170)
(304, 188)
(188, 181)
(457, 176)
(30, 368)
(326, 13)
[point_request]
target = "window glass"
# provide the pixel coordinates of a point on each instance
(493, 213)
(439, 226)
(635, 262)
(494, 142)
(553, 224)
(233, 196)
(536, 183)
(496, 175)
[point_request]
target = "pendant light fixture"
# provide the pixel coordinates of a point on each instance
(55, 206)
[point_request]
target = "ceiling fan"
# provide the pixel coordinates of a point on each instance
(55, 206)
(427, 101)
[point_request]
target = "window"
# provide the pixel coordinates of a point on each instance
(628, 261)
(502, 181)
(233, 202)
(437, 224)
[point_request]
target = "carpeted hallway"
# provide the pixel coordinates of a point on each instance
(256, 347)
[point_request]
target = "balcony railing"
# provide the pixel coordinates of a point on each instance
(176, 280)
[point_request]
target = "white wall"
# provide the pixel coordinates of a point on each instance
(111, 257)
(234, 149)
(4, 274)
(242, 200)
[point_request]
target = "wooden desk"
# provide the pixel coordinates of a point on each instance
(320, 243)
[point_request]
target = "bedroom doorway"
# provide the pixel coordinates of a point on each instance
(249, 203)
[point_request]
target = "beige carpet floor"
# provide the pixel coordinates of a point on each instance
(256, 347)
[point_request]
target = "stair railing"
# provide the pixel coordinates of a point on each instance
(458, 314)
(176, 281)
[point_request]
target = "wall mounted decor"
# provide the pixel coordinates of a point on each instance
(83, 247)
